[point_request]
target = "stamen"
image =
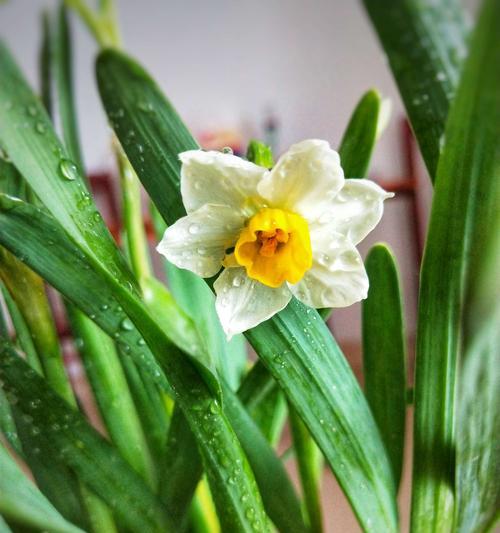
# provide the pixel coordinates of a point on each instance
(270, 240)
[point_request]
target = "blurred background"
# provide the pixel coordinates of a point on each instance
(280, 71)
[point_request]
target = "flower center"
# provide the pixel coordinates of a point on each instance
(275, 247)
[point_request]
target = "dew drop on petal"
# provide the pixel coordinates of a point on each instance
(237, 281)
(194, 229)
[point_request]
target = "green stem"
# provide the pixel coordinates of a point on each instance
(91, 20)
(310, 463)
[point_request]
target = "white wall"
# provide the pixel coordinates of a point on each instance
(224, 62)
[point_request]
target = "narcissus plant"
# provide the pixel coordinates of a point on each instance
(288, 231)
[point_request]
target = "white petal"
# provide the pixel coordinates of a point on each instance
(304, 180)
(198, 241)
(356, 209)
(242, 302)
(337, 277)
(217, 178)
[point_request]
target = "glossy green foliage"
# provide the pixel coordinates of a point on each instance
(466, 196)
(360, 136)
(340, 422)
(384, 353)
(22, 502)
(28, 138)
(61, 432)
(105, 302)
(425, 42)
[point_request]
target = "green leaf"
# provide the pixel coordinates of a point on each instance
(22, 502)
(260, 154)
(4, 528)
(466, 196)
(425, 42)
(143, 121)
(360, 136)
(384, 353)
(310, 463)
(63, 433)
(280, 500)
(28, 291)
(301, 354)
(116, 309)
(45, 64)
(149, 399)
(108, 382)
(23, 337)
(28, 137)
(340, 421)
(62, 50)
(478, 449)
(182, 469)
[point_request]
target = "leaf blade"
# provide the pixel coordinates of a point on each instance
(425, 43)
(466, 186)
(384, 353)
(122, 83)
(22, 502)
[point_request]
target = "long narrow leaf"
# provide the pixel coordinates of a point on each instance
(317, 381)
(105, 301)
(465, 191)
(59, 430)
(384, 353)
(22, 502)
(107, 378)
(26, 133)
(425, 42)
(360, 136)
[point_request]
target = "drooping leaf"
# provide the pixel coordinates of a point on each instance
(317, 381)
(27, 135)
(425, 42)
(466, 195)
(384, 353)
(60, 431)
(116, 310)
(22, 502)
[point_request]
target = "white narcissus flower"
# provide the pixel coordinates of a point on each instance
(288, 231)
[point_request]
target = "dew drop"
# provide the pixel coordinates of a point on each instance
(227, 150)
(126, 325)
(141, 342)
(68, 169)
(40, 127)
(32, 111)
(194, 229)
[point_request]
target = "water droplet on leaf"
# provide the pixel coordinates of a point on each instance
(68, 169)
